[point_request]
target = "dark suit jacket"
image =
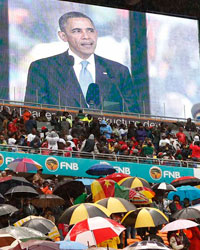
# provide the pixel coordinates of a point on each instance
(56, 83)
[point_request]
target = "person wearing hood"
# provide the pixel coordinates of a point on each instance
(105, 129)
(52, 139)
(88, 145)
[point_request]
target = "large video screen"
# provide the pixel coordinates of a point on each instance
(135, 62)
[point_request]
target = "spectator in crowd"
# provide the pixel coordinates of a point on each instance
(175, 205)
(195, 147)
(190, 126)
(52, 139)
(30, 124)
(181, 136)
(28, 208)
(141, 133)
(37, 178)
(105, 129)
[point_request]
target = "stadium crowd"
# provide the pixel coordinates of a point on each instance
(86, 134)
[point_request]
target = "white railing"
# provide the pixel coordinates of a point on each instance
(99, 156)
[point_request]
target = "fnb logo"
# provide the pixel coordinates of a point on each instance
(52, 164)
(155, 173)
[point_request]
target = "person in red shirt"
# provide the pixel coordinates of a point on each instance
(195, 147)
(181, 136)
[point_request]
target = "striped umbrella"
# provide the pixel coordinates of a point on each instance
(137, 198)
(186, 180)
(95, 230)
(134, 182)
(24, 165)
(116, 205)
(145, 217)
(76, 213)
(147, 192)
(116, 176)
(163, 186)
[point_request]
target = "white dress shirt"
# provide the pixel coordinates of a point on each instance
(77, 68)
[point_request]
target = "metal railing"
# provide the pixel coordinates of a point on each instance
(100, 156)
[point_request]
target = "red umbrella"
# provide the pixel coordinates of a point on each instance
(94, 230)
(186, 180)
(116, 176)
(24, 165)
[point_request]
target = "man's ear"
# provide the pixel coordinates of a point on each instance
(62, 36)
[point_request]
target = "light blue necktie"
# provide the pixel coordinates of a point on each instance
(85, 77)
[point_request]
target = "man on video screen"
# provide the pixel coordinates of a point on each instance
(78, 77)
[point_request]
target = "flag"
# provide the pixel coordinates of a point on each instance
(102, 188)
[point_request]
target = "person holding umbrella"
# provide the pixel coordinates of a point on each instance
(178, 240)
(175, 205)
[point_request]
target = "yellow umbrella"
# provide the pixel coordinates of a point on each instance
(145, 217)
(116, 205)
(76, 213)
(134, 182)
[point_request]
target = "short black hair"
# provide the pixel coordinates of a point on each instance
(73, 14)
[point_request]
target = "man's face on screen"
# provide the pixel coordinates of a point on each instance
(81, 36)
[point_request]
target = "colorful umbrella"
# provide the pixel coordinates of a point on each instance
(134, 182)
(138, 198)
(163, 186)
(48, 200)
(187, 213)
(116, 205)
(24, 165)
(186, 180)
(76, 213)
(7, 209)
(192, 193)
(178, 225)
(116, 176)
(147, 192)
(101, 169)
(145, 217)
(95, 230)
(21, 192)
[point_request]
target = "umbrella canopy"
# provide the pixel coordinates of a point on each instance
(11, 181)
(21, 192)
(7, 209)
(163, 186)
(95, 230)
(53, 234)
(69, 188)
(116, 205)
(138, 198)
(87, 210)
(38, 244)
(67, 244)
(148, 245)
(101, 169)
(147, 192)
(24, 165)
(116, 176)
(186, 180)
(192, 193)
(6, 240)
(41, 224)
(187, 213)
(178, 225)
(134, 182)
(2, 199)
(22, 233)
(145, 217)
(48, 200)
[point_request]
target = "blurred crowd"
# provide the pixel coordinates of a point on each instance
(86, 134)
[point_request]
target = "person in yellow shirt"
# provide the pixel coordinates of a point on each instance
(113, 243)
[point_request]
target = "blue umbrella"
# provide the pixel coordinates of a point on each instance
(68, 245)
(189, 192)
(101, 169)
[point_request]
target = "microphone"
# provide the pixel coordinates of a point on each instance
(93, 95)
